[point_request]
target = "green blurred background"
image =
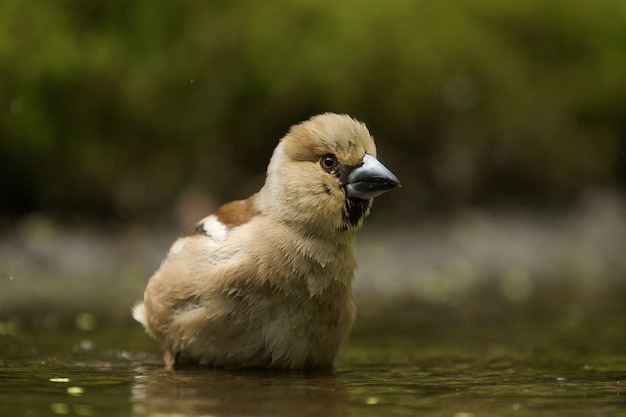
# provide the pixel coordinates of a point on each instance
(121, 113)
(114, 108)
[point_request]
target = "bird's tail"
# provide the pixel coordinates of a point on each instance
(139, 313)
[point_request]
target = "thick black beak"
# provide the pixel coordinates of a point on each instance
(370, 179)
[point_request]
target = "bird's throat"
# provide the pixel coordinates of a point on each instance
(354, 211)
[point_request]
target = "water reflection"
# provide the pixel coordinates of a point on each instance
(474, 369)
(443, 386)
(220, 392)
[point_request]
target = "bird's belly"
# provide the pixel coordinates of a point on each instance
(273, 331)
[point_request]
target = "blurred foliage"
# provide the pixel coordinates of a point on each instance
(114, 107)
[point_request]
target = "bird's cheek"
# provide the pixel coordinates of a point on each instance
(335, 199)
(334, 189)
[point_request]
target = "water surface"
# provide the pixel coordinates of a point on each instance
(393, 366)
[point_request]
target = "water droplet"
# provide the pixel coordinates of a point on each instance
(60, 408)
(75, 391)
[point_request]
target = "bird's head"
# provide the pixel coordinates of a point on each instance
(323, 175)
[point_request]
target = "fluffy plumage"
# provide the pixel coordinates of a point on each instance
(267, 281)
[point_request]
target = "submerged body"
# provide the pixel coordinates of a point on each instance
(267, 281)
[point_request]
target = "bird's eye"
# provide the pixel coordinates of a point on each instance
(329, 162)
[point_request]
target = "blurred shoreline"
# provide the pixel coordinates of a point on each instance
(480, 259)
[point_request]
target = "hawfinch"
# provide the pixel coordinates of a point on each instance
(267, 281)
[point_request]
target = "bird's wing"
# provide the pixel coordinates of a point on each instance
(230, 215)
(195, 303)
(198, 269)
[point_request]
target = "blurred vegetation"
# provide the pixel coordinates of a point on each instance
(115, 108)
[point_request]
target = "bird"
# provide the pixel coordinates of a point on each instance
(266, 282)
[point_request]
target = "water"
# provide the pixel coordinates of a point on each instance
(485, 315)
(544, 364)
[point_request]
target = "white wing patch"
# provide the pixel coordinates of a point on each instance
(178, 246)
(211, 226)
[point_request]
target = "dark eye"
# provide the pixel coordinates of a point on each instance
(329, 162)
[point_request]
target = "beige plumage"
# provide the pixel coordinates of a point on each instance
(267, 281)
